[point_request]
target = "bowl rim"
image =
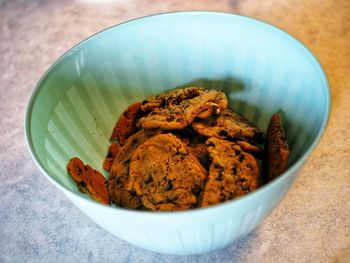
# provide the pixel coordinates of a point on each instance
(234, 202)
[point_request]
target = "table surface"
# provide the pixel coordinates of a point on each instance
(39, 224)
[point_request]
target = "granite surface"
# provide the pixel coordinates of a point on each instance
(39, 224)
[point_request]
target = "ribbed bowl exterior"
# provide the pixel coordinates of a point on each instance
(261, 68)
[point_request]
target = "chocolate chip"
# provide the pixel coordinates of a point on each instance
(163, 103)
(237, 152)
(192, 94)
(149, 180)
(178, 100)
(223, 133)
(220, 176)
(169, 185)
(234, 170)
(241, 157)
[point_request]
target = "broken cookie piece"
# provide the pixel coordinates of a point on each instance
(88, 180)
(232, 173)
(165, 175)
(276, 149)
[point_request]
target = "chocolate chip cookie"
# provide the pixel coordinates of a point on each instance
(165, 175)
(276, 149)
(88, 180)
(232, 173)
(229, 125)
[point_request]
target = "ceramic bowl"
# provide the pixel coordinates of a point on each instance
(261, 68)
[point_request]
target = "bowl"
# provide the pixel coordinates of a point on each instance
(261, 68)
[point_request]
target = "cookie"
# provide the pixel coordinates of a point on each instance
(126, 125)
(175, 114)
(88, 180)
(112, 153)
(232, 172)
(229, 125)
(165, 175)
(119, 172)
(276, 150)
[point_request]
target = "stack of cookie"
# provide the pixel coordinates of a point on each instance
(185, 149)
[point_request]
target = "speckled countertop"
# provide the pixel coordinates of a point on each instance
(39, 224)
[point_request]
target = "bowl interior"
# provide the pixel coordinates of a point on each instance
(261, 68)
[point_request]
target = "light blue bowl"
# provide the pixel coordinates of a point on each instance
(262, 70)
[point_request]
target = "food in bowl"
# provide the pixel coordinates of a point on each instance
(183, 149)
(88, 180)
